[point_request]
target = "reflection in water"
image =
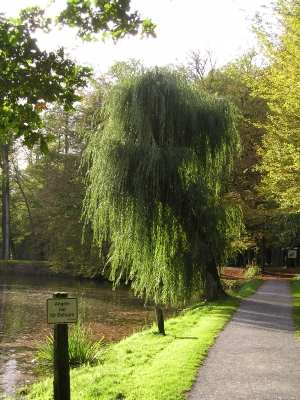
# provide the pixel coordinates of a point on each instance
(111, 314)
(8, 379)
(3, 302)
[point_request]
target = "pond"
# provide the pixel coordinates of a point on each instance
(112, 314)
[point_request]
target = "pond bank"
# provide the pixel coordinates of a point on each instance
(150, 366)
(26, 268)
(44, 268)
(112, 314)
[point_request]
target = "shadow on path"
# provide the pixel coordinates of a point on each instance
(257, 355)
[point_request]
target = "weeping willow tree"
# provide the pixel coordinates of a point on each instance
(156, 173)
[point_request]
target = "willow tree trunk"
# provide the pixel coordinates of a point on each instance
(213, 286)
(263, 254)
(5, 203)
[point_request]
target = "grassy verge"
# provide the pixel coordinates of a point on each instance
(248, 288)
(149, 366)
(295, 287)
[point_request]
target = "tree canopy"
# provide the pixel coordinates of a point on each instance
(31, 79)
(155, 183)
(233, 79)
(278, 85)
(111, 18)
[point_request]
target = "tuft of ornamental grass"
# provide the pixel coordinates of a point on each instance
(82, 348)
(150, 366)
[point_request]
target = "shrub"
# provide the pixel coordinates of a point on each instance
(252, 270)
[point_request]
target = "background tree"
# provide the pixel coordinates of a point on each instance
(31, 79)
(201, 66)
(233, 80)
(278, 85)
(154, 183)
(47, 197)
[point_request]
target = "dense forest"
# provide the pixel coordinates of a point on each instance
(240, 161)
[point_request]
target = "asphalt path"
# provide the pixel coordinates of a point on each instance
(257, 355)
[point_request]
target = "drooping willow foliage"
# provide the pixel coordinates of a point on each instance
(155, 178)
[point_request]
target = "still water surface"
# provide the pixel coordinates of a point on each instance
(111, 314)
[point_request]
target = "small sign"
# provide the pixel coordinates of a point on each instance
(292, 253)
(62, 310)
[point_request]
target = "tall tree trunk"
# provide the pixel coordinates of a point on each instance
(213, 286)
(263, 254)
(277, 256)
(17, 177)
(5, 203)
(12, 249)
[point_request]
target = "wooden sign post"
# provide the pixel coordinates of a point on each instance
(60, 311)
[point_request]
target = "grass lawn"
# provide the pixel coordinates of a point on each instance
(149, 366)
(295, 287)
